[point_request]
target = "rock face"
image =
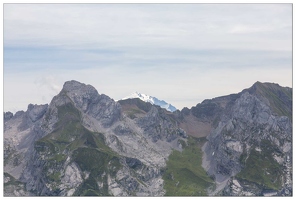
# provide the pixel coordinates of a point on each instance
(21, 130)
(251, 135)
(85, 144)
(87, 99)
(7, 116)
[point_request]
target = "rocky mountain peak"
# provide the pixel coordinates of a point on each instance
(255, 127)
(277, 97)
(75, 86)
(87, 99)
(81, 94)
(8, 115)
(259, 87)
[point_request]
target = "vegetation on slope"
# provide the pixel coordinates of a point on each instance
(99, 164)
(13, 187)
(87, 149)
(184, 175)
(280, 98)
(261, 168)
(134, 108)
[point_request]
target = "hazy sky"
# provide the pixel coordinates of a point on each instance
(180, 53)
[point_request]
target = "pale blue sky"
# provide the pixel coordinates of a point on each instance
(181, 53)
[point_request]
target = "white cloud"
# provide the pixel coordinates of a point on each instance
(137, 25)
(49, 81)
(163, 50)
(244, 29)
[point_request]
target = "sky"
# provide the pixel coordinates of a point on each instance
(180, 53)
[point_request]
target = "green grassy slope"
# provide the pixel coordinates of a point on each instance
(261, 168)
(184, 175)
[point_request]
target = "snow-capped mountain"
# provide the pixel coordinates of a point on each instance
(152, 100)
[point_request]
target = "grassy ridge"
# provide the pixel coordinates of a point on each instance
(184, 175)
(278, 97)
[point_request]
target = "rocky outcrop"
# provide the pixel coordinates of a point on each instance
(203, 118)
(35, 112)
(89, 101)
(21, 131)
(159, 126)
(7, 116)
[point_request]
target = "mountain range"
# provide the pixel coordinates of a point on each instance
(86, 144)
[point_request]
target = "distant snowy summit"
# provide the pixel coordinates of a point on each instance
(152, 100)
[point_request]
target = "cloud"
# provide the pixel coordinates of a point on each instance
(163, 50)
(51, 82)
(105, 25)
(244, 29)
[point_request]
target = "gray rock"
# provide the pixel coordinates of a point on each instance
(35, 112)
(19, 114)
(133, 163)
(7, 116)
(89, 101)
(249, 123)
(122, 130)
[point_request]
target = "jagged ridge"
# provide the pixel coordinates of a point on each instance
(47, 147)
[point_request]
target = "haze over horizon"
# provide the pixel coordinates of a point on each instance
(180, 53)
